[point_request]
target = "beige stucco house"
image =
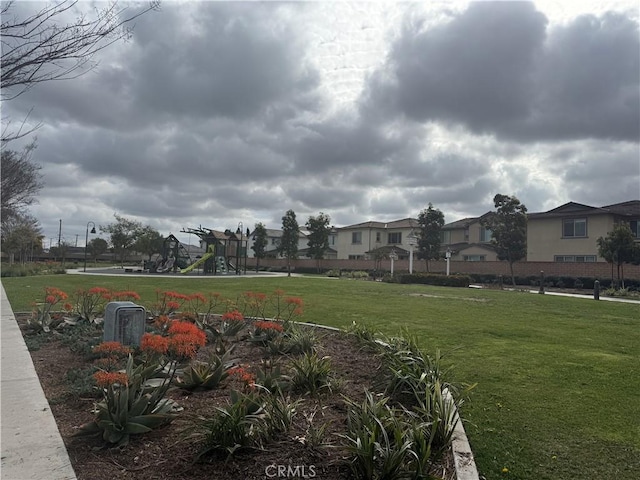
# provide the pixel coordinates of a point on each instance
(468, 240)
(569, 233)
(362, 240)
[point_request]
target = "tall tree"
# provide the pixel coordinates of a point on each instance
(148, 241)
(21, 181)
(318, 243)
(430, 223)
(44, 45)
(96, 247)
(618, 248)
(508, 225)
(123, 233)
(259, 243)
(21, 237)
(288, 247)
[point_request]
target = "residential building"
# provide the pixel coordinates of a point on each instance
(273, 241)
(569, 233)
(365, 240)
(467, 240)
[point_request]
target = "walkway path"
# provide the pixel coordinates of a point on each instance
(32, 447)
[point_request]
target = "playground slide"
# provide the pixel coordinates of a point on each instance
(204, 258)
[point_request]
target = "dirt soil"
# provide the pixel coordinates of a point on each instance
(162, 454)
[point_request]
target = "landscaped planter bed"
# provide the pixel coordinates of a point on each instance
(165, 453)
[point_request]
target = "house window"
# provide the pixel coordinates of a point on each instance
(485, 234)
(332, 239)
(395, 238)
(356, 238)
(575, 258)
(474, 258)
(574, 228)
(378, 237)
(356, 257)
(445, 236)
(635, 228)
(466, 234)
(274, 241)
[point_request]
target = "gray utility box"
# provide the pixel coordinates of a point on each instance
(124, 322)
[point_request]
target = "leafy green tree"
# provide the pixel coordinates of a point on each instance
(60, 251)
(618, 248)
(318, 243)
(21, 181)
(508, 225)
(430, 223)
(97, 247)
(21, 237)
(123, 234)
(148, 241)
(259, 243)
(288, 246)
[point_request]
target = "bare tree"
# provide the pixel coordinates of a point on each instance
(42, 47)
(21, 181)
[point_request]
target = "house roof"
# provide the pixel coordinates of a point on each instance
(463, 223)
(462, 246)
(387, 249)
(627, 209)
(403, 223)
(570, 208)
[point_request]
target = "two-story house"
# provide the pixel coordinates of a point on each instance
(366, 240)
(467, 240)
(569, 233)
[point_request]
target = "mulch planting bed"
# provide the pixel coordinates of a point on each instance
(164, 454)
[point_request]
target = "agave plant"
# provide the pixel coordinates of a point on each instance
(130, 405)
(206, 375)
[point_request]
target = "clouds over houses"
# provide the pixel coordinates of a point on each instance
(219, 112)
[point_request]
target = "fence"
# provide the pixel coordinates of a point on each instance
(522, 269)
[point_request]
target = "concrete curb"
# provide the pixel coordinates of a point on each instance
(32, 447)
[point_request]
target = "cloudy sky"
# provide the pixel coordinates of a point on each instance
(216, 113)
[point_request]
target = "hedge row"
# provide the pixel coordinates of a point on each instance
(436, 279)
(554, 281)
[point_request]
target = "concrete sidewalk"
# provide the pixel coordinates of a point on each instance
(31, 445)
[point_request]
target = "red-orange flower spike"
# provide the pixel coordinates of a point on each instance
(127, 294)
(198, 296)
(98, 291)
(51, 299)
(262, 325)
(154, 344)
(105, 379)
(233, 315)
(112, 348)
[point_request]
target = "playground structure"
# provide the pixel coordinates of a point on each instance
(224, 253)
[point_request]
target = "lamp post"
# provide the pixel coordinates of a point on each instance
(448, 257)
(86, 241)
(239, 252)
(393, 256)
(412, 241)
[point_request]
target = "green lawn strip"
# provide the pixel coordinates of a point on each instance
(558, 383)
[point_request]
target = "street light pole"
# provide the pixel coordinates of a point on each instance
(239, 252)
(86, 241)
(393, 256)
(412, 241)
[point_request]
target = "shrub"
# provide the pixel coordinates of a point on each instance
(311, 374)
(436, 279)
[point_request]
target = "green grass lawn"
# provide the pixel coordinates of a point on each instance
(558, 392)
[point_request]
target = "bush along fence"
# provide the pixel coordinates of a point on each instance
(403, 425)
